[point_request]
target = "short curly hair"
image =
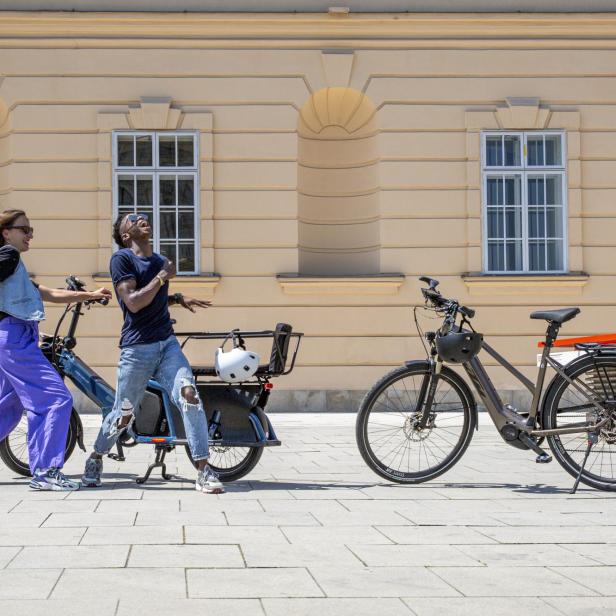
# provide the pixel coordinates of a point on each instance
(117, 235)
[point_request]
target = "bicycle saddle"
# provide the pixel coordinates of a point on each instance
(556, 316)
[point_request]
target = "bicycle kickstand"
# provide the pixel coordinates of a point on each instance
(159, 462)
(593, 437)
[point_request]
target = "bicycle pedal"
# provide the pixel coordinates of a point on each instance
(543, 458)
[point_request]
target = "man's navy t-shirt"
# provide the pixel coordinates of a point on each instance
(152, 323)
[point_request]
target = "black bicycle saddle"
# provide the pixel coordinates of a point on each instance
(556, 316)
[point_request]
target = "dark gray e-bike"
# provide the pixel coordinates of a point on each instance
(417, 421)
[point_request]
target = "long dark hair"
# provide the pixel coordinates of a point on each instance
(7, 218)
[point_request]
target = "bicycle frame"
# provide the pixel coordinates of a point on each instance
(503, 416)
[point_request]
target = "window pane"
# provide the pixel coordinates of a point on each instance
(555, 255)
(496, 223)
(166, 151)
(496, 256)
(167, 225)
(535, 151)
(144, 190)
(144, 151)
(553, 190)
(513, 222)
(536, 255)
(495, 191)
(186, 261)
(512, 151)
(186, 154)
(126, 195)
(126, 155)
(513, 190)
(168, 250)
(554, 216)
(536, 194)
(514, 256)
(167, 190)
(494, 154)
(186, 190)
(553, 150)
(536, 222)
(186, 225)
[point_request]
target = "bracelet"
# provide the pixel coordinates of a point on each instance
(160, 279)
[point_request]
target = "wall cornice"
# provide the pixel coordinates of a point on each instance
(20, 29)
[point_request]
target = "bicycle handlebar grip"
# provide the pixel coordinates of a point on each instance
(104, 301)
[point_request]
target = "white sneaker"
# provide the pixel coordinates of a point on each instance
(53, 479)
(208, 482)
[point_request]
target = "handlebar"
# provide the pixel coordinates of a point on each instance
(451, 306)
(74, 284)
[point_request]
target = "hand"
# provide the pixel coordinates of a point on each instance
(190, 303)
(100, 294)
(168, 271)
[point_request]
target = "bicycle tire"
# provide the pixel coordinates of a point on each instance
(238, 467)
(14, 448)
(466, 411)
(569, 449)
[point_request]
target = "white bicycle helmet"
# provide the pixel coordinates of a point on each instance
(236, 365)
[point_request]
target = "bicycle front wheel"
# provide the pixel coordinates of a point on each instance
(566, 405)
(389, 437)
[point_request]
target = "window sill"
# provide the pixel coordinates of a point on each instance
(199, 287)
(378, 284)
(526, 284)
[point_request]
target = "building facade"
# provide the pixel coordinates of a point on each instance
(308, 167)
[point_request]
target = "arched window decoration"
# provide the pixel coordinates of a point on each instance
(338, 184)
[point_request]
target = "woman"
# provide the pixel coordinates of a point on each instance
(27, 380)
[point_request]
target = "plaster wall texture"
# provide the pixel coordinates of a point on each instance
(403, 182)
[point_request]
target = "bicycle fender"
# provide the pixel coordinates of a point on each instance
(455, 377)
(79, 431)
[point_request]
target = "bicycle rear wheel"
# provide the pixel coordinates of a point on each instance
(565, 405)
(389, 438)
(14, 448)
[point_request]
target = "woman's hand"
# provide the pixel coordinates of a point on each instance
(99, 294)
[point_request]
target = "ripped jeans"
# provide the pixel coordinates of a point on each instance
(165, 363)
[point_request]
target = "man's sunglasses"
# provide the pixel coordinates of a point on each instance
(24, 228)
(135, 217)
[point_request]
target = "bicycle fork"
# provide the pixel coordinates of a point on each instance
(427, 392)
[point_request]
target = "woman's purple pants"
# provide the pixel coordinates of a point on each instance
(28, 381)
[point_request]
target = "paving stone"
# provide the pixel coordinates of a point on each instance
(122, 506)
(234, 534)
(412, 555)
(63, 506)
(131, 535)
(380, 582)
(18, 584)
(22, 520)
(587, 606)
(339, 607)
(511, 582)
(7, 554)
(214, 556)
(190, 607)
(150, 583)
(600, 579)
(181, 518)
(41, 536)
(471, 606)
(259, 554)
(77, 606)
(541, 555)
(334, 535)
(246, 583)
(436, 535)
(603, 554)
(66, 520)
(71, 557)
(549, 534)
(266, 518)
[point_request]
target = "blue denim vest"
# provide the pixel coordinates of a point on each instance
(20, 298)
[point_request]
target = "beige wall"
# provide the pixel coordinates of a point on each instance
(70, 80)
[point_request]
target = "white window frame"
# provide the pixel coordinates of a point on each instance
(155, 171)
(524, 171)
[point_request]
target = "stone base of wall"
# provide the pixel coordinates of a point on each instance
(320, 401)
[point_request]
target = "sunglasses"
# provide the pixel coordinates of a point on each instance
(135, 217)
(24, 228)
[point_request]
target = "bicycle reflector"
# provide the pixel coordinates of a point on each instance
(458, 347)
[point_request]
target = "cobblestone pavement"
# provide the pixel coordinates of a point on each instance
(311, 531)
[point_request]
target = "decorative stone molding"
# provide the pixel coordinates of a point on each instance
(383, 284)
(337, 67)
(566, 284)
(522, 113)
(154, 113)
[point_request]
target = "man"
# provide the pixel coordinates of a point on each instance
(149, 349)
